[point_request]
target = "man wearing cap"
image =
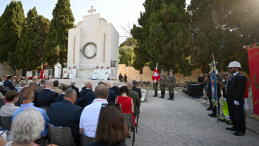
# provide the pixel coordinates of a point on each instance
(236, 86)
(171, 83)
(163, 80)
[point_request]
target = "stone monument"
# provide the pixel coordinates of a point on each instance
(93, 42)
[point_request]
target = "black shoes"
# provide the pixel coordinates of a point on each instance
(212, 115)
(238, 133)
(231, 129)
(209, 109)
(155, 96)
(161, 97)
(169, 98)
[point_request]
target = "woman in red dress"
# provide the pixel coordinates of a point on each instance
(126, 102)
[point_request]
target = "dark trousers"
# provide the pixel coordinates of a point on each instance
(211, 104)
(201, 89)
(237, 116)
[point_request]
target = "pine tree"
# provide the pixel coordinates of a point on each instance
(10, 30)
(32, 41)
(57, 39)
(163, 36)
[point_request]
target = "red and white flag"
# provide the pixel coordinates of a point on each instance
(42, 71)
(155, 76)
(47, 65)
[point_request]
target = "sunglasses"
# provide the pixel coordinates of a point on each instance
(117, 105)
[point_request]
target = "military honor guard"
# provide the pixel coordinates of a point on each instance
(171, 84)
(236, 86)
(155, 85)
(163, 80)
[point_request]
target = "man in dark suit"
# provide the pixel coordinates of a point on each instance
(236, 86)
(61, 97)
(136, 89)
(88, 88)
(86, 100)
(134, 96)
(115, 88)
(47, 96)
(8, 83)
(41, 87)
(112, 94)
(75, 88)
(66, 114)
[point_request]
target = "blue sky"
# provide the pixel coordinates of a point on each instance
(116, 12)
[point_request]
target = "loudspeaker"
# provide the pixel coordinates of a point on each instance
(23, 72)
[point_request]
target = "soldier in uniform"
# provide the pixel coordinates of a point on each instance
(236, 86)
(171, 84)
(163, 80)
(155, 84)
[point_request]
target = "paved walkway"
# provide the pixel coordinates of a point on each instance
(184, 122)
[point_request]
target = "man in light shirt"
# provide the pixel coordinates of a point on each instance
(7, 110)
(89, 117)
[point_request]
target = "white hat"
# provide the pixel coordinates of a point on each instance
(234, 64)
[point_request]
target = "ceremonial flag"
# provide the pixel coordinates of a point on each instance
(253, 56)
(47, 65)
(42, 71)
(155, 76)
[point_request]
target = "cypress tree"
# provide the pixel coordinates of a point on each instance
(32, 41)
(10, 29)
(163, 36)
(57, 39)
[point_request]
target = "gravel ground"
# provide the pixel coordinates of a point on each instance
(184, 122)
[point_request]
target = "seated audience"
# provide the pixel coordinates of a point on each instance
(115, 88)
(73, 83)
(42, 85)
(2, 81)
(27, 96)
(127, 103)
(138, 90)
(47, 96)
(112, 94)
(66, 114)
(185, 87)
(7, 110)
(85, 82)
(88, 88)
(8, 83)
(110, 119)
(90, 114)
(22, 85)
(26, 128)
(55, 87)
(61, 83)
(134, 95)
(61, 97)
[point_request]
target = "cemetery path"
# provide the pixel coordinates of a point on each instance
(183, 122)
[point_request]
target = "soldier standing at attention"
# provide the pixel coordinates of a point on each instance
(155, 84)
(236, 87)
(163, 80)
(171, 85)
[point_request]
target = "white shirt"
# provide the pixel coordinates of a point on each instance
(89, 117)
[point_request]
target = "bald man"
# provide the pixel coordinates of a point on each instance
(47, 96)
(134, 95)
(88, 88)
(112, 94)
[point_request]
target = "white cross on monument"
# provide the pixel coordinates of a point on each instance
(92, 10)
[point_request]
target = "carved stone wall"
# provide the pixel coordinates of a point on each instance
(5, 69)
(133, 74)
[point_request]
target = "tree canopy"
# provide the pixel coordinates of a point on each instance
(57, 38)
(163, 36)
(10, 30)
(31, 45)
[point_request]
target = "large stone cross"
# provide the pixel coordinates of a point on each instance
(92, 10)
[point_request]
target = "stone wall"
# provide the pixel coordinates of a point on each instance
(5, 69)
(133, 74)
